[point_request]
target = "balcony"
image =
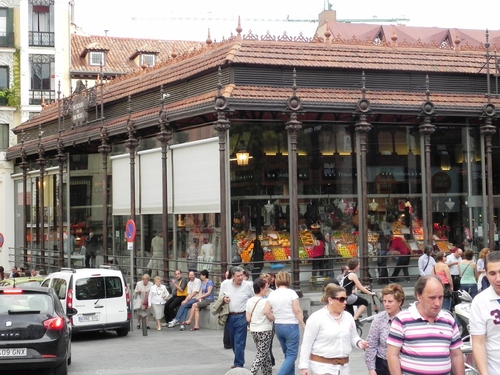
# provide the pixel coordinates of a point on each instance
(7, 40)
(36, 96)
(41, 39)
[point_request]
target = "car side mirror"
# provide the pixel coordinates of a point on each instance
(71, 312)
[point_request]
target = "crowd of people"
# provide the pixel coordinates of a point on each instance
(423, 338)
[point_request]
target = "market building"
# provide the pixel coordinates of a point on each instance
(356, 132)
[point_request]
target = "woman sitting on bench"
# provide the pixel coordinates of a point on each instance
(205, 298)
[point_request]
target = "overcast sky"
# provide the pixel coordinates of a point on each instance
(158, 19)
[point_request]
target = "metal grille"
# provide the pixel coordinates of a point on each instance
(41, 2)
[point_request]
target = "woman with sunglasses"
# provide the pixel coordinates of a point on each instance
(393, 298)
(329, 336)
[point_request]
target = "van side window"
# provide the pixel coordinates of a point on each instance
(46, 283)
(113, 287)
(59, 286)
(89, 288)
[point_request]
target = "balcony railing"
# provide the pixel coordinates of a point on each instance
(41, 39)
(7, 40)
(36, 96)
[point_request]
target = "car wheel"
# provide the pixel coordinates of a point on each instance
(62, 369)
(122, 332)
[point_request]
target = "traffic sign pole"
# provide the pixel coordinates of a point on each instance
(130, 232)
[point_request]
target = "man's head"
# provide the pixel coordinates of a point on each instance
(191, 275)
(429, 291)
(237, 274)
(493, 270)
(178, 274)
(159, 233)
(33, 272)
(458, 253)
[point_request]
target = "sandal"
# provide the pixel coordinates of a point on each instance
(195, 328)
(186, 323)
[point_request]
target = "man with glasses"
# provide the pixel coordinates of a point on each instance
(179, 293)
(236, 294)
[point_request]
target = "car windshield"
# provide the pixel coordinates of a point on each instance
(25, 303)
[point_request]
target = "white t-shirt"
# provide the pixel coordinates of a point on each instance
(485, 320)
(453, 259)
(281, 302)
(259, 321)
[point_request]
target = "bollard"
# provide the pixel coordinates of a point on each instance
(144, 326)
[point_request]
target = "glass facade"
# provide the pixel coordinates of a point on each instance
(327, 191)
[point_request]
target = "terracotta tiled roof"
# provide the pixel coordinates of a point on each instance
(119, 52)
(352, 33)
(341, 54)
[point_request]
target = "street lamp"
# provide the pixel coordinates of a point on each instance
(242, 154)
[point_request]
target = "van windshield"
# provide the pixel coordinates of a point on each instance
(98, 287)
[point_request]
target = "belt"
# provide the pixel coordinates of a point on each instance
(236, 313)
(331, 361)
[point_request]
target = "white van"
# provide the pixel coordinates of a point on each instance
(98, 297)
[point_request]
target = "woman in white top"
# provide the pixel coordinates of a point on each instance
(283, 307)
(329, 336)
(142, 290)
(261, 327)
(158, 295)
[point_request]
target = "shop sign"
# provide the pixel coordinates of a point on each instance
(242, 176)
(281, 175)
(441, 182)
(79, 110)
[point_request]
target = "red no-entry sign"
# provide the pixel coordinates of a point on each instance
(130, 231)
(1, 240)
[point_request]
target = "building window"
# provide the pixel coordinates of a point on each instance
(6, 28)
(41, 25)
(148, 59)
(96, 58)
(4, 77)
(42, 71)
(4, 137)
(3, 22)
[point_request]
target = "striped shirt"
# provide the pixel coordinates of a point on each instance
(425, 347)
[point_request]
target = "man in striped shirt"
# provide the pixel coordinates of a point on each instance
(425, 340)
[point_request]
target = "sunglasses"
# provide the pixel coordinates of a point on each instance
(340, 299)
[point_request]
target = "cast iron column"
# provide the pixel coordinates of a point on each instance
(221, 126)
(61, 158)
(42, 162)
(362, 127)
(131, 144)
(104, 149)
(488, 130)
(164, 137)
(293, 126)
(24, 166)
(427, 129)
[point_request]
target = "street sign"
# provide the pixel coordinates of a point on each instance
(130, 231)
(1, 240)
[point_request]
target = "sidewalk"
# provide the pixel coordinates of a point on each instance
(211, 357)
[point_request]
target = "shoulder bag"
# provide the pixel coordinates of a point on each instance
(254, 306)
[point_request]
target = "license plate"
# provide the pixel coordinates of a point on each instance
(89, 318)
(13, 352)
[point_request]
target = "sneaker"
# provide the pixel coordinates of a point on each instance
(164, 324)
(183, 327)
(173, 323)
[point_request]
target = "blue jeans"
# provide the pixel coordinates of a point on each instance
(289, 337)
(471, 289)
(237, 327)
(183, 310)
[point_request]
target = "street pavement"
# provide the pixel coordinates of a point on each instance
(169, 351)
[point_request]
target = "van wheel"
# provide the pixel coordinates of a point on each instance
(122, 332)
(62, 369)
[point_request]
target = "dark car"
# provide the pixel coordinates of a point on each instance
(34, 330)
